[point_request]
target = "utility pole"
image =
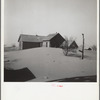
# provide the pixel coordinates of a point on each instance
(83, 47)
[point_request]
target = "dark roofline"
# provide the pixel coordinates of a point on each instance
(74, 42)
(47, 37)
(53, 36)
(19, 38)
(25, 35)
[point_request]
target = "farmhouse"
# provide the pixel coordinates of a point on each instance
(33, 41)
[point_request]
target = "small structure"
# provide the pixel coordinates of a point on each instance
(71, 45)
(33, 41)
(89, 49)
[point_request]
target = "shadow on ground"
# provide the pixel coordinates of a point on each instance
(78, 56)
(19, 75)
(78, 79)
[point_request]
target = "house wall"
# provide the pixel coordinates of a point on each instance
(56, 41)
(46, 44)
(20, 45)
(27, 45)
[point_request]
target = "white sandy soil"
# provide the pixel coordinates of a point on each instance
(51, 64)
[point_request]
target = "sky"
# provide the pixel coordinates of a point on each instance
(70, 18)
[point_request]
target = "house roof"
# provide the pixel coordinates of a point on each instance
(35, 38)
(31, 38)
(70, 43)
(50, 36)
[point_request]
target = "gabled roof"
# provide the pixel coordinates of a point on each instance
(35, 38)
(50, 36)
(70, 43)
(31, 38)
(73, 43)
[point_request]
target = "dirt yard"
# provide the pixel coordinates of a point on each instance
(51, 64)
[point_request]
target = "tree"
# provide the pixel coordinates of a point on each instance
(14, 45)
(94, 47)
(66, 45)
(83, 47)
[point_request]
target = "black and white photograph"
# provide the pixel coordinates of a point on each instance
(50, 41)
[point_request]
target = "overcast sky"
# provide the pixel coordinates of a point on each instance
(70, 18)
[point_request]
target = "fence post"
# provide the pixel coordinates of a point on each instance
(83, 47)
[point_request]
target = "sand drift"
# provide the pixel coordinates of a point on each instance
(48, 64)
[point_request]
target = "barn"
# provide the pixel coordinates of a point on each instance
(33, 41)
